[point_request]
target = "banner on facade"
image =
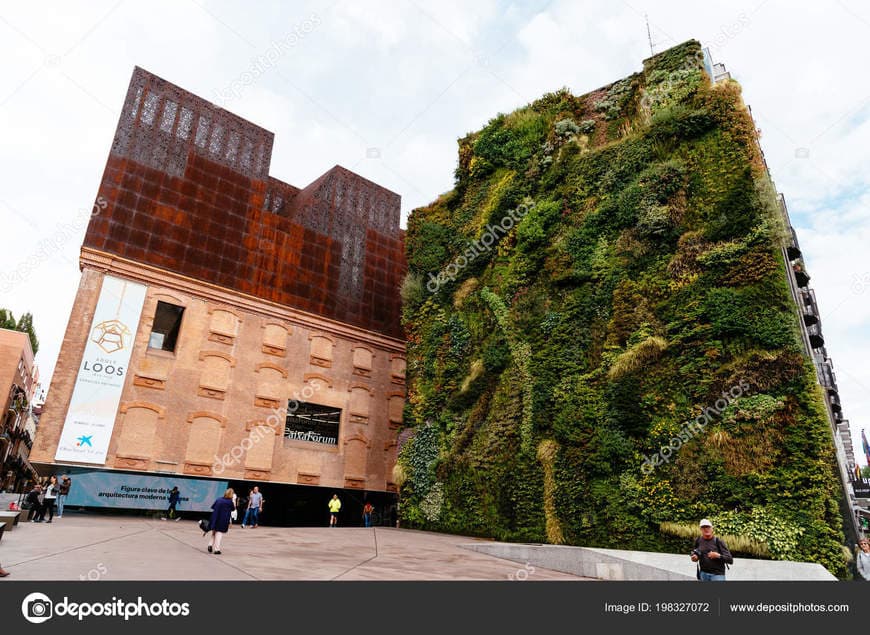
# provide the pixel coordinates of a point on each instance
(100, 488)
(100, 380)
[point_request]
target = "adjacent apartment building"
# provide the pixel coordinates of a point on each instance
(19, 379)
(229, 328)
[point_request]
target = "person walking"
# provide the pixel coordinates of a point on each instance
(63, 492)
(174, 497)
(255, 504)
(234, 515)
(367, 514)
(334, 508)
(34, 499)
(711, 554)
(219, 523)
(863, 559)
(242, 506)
(48, 499)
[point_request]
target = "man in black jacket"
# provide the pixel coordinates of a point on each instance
(711, 553)
(34, 499)
(62, 493)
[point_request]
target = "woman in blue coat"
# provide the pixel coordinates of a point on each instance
(219, 523)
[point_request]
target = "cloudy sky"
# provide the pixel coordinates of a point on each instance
(386, 88)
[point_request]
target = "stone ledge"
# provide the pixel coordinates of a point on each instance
(616, 564)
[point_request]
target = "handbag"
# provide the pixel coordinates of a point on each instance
(234, 515)
(204, 526)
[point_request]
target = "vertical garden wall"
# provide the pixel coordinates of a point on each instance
(602, 347)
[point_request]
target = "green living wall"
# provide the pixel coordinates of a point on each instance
(601, 339)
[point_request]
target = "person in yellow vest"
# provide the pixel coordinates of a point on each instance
(334, 508)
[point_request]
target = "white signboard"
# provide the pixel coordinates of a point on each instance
(97, 392)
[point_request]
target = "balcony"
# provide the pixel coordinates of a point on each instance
(801, 277)
(794, 250)
(815, 334)
(834, 400)
(811, 315)
(826, 375)
(809, 309)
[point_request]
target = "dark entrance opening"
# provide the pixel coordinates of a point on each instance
(306, 506)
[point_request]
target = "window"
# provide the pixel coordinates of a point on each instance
(167, 321)
(312, 422)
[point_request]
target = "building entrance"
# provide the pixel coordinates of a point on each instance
(306, 506)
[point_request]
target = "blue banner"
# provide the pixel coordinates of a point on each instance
(99, 488)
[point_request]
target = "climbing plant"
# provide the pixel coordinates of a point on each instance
(643, 290)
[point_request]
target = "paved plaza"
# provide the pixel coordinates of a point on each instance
(85, 546)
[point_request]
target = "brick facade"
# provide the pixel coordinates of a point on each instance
(18, 383)
(287, 293)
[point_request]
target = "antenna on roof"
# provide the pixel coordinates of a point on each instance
(649, 35)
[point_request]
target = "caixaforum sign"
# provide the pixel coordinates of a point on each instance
(100, 380)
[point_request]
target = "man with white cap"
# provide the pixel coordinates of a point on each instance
(711, 553)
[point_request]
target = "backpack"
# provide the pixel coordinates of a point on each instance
(718, 544)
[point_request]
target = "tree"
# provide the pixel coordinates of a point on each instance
(7, 320)
(24, 324)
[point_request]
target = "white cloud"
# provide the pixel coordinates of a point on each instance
(410, 78)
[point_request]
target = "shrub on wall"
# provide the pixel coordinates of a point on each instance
(645, 281)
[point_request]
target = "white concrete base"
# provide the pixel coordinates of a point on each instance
(615, 564)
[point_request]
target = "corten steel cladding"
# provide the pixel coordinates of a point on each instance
(188, 190)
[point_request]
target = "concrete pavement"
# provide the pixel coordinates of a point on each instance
(100, 547)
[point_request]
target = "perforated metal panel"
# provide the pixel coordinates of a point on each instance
(188, 190)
